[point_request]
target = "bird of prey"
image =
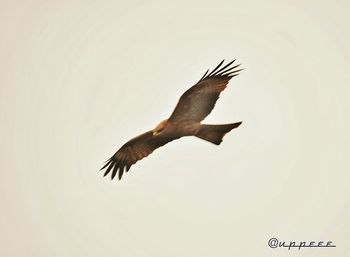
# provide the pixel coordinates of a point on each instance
(193, 106)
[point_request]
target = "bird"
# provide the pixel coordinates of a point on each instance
(193, 107)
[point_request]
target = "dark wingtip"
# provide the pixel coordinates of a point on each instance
(216, 68)
(121, 170)
(234, 73)
(203, 77)
(106, 163)
(109, 166)
(222, 70)
(227, 70)
(115, 170)
(107, 171)
(238, 124)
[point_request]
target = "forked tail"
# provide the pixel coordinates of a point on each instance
(215, 133)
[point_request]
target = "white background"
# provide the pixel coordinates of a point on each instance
(80, 78)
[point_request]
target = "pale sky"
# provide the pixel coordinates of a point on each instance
(80, 78)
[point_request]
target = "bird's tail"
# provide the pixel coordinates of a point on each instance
(215, 133)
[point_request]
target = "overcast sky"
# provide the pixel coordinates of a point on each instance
(80, 78)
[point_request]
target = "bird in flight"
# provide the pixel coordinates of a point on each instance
(193, 106)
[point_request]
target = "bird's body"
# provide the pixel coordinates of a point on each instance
(168, 128)
(194, 105)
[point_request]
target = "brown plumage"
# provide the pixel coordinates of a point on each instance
(194, 105)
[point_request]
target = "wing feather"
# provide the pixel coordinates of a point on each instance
(223, 68)
(198, 101)
(133, 151)
(211, 73)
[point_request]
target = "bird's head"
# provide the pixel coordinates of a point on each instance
(160, 128)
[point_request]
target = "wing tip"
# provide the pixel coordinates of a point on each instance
(227, 71)
(112, 165)
(239, 123)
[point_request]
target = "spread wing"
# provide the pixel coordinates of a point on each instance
(133, 151)
(198, 101)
